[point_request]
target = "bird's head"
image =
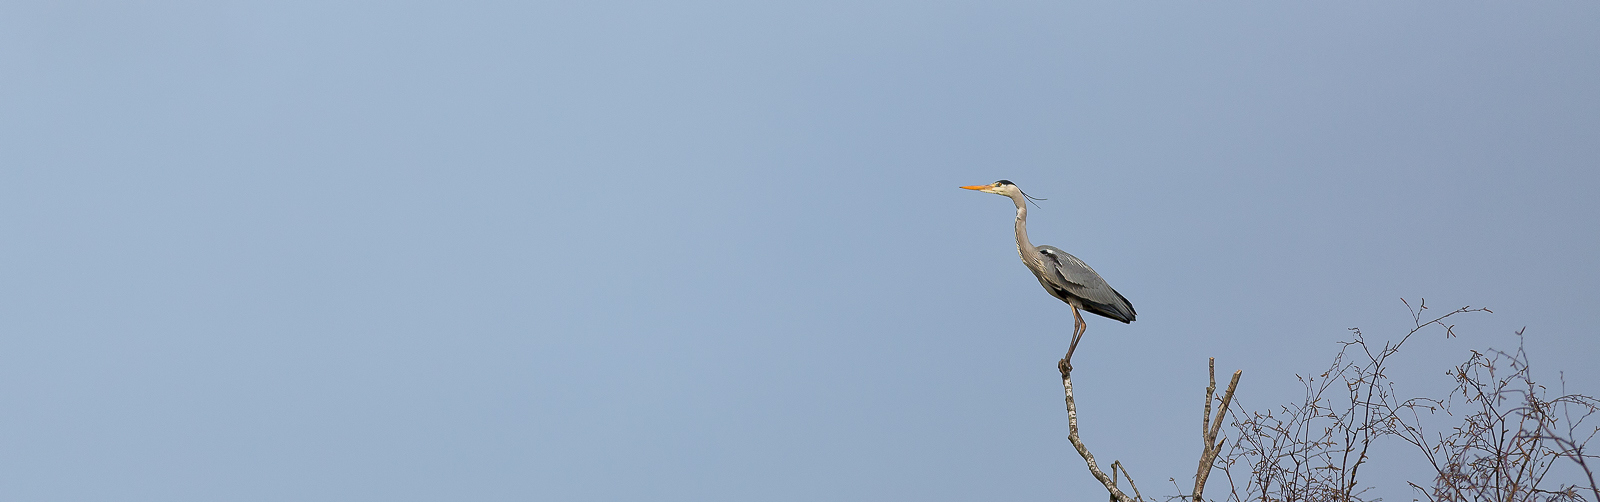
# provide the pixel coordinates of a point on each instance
(1002, 187)
(1005, 188)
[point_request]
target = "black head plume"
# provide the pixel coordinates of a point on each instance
(1031, 198)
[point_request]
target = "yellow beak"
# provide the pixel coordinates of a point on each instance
(976, 187)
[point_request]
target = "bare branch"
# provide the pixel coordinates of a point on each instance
(1506, 448)
(1072, 436)
(1208, 455)
(1118, 465)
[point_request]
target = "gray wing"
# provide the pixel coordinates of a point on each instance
(1069, 276)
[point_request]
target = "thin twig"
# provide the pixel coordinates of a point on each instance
(1136, 495)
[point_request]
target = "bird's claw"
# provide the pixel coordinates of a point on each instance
(1065, 366)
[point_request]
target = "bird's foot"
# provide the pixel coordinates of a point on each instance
(1065, 366)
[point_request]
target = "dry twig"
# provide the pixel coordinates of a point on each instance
(1504, 449)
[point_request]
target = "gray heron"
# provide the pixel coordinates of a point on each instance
(1065, 276)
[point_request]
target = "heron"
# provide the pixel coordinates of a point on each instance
(1065, 276)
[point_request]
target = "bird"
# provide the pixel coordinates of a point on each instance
(1065, 276)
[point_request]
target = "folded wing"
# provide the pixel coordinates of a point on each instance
(1068, 277)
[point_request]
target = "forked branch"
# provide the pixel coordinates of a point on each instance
(1209, 429)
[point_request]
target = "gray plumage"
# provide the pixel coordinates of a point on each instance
(1068, 278)
(1063, 275)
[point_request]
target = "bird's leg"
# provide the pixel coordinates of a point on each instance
(1078, 327)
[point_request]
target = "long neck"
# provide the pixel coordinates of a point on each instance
(1024, 248)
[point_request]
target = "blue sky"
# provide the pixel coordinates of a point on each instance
(715, 250)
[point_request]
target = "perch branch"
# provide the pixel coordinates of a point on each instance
(1072, 436)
